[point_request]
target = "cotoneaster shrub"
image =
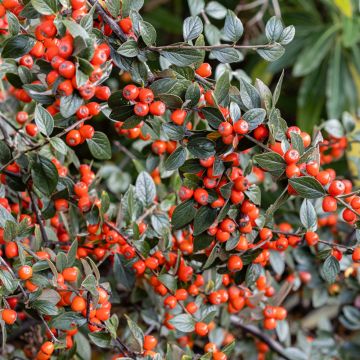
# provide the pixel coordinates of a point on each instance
(189, 262)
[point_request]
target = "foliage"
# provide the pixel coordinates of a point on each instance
(156, 207)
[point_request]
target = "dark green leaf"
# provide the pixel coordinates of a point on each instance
(43, 120)
(330, 269)
(183, 322)
(176, 159)
(307, 187)
(254, 118)
(201, 148)
(45, 175)
(99, 146)
(17, 46)
(183, 214)
(148, 33)
(204, 218)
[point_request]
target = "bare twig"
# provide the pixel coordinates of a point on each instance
(210, 47)
(261, 335)
(53, 337)
(109, 20)
(47, 141)
(8, 268)
(38, 215)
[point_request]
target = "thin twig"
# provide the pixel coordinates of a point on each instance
(39, 146)
(53, 337)
(38, 216)
(253, 330)
(109, 20)
(209, 47)
(8, 268)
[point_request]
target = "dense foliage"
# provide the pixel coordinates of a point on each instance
(155, 206)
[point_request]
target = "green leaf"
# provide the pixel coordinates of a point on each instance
(213, 115)
(254, 117)
(272, 53)
(204, 218)
(222, 87)
(129, 48)
(307, 187)
(192, 95)
(273, 29)
(173, 132)
(308, 215)
(8, 281)
(45, 175)
(216, 10)
(277, 262)
(183, 214)
(71, 255)
(192, 28)
(176, 159)
(252, 274)
(45, 7)
(10, 230)
(169, 281)
(44, 120)
(183, 56)
(136, 332)
(99, 146)
(14, 25)
(201, 148)
(196, 6)
(145, 188)
(148, 33)
(278, 89)
(70, 104)
(59, 145)
(271, 161)
(287, 35)
(66, 320)
(227, 55)
(100, 339)
(90, 284)
(75, 29)
(249, 95)
(45, 307)
(265, 93)
(213, 34)
(254, 194)
(17, 46)
(183, 322)
(123, 275)
(233, 28)
(5, 153)
(330, 269)
(113, 7)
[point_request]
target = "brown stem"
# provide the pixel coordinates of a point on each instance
(256, 332)
(38, 215)
(109, 20)
(209, 47)
(47, 141)
(53, 337)
(8, 268)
